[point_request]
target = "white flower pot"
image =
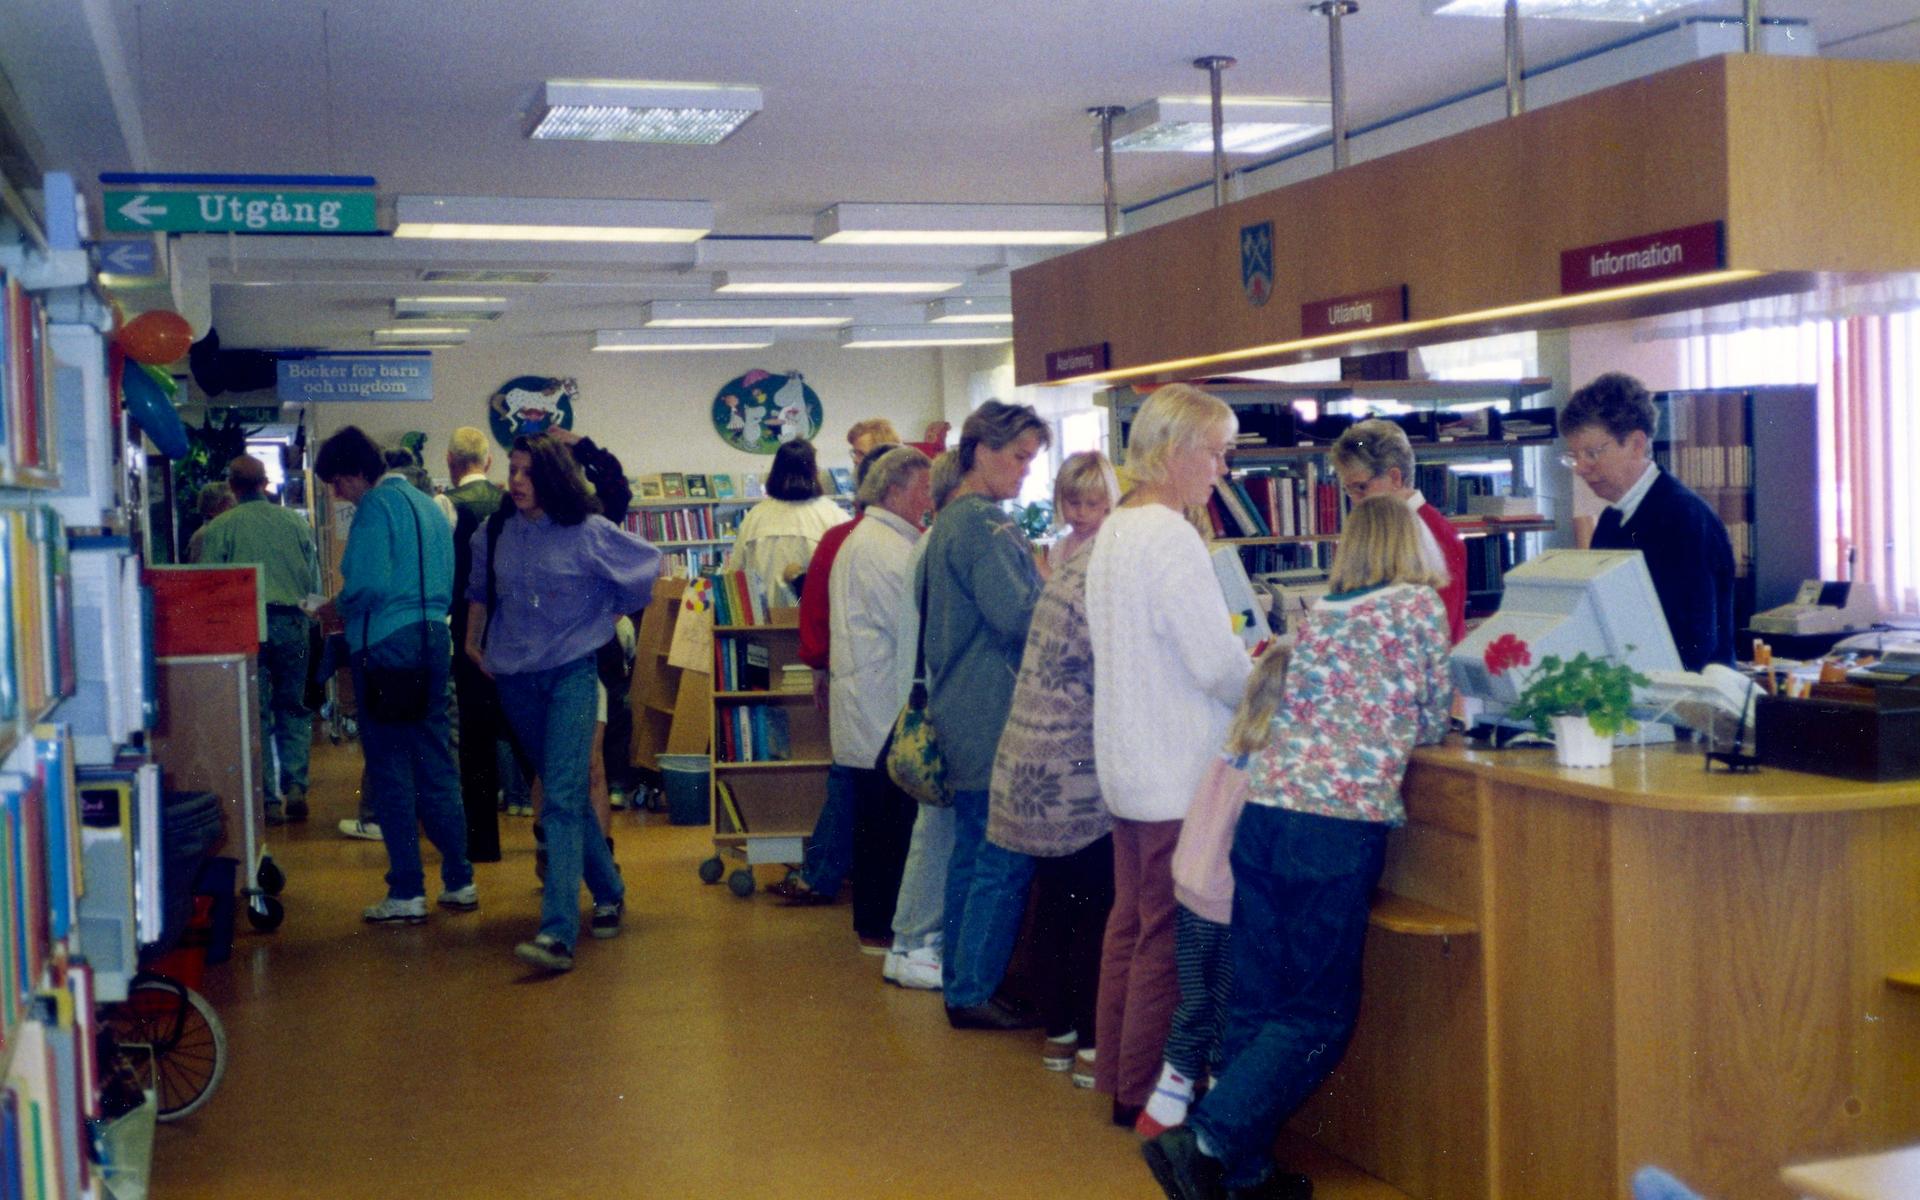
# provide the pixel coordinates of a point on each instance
(1575, 744)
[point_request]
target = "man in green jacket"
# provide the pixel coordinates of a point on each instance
(280, 542)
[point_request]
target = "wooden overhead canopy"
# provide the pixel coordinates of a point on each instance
(1808, 166)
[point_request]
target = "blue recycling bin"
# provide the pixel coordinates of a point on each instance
(689, 795)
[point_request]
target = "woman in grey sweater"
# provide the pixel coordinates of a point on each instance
(979, 582)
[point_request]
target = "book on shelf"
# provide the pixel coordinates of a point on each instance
(1468, 424)
(649, 487)
(728, 807)
(751, 487)
(842, 480)
(673, 485)
(722, 487)
(697, 487)
(796, 678)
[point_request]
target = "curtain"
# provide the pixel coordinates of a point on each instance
(1867, 369)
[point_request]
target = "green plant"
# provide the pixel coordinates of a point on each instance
(1036, 518)
(1598, 689)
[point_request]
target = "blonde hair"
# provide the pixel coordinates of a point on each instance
(945, 478)
(1176, 417)
(878, 428)
(1375, 446)
(468, 446)
(1380, 543)
(1085, 476)
(1266, 688)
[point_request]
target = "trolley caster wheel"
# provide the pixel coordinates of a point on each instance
(741, 883)
(712, 869)
(265, 913)
(270, 877)
(792, 876)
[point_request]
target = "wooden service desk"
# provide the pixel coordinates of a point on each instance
(1641, 964)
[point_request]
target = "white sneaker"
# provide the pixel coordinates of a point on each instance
(366, 831)
(890, 969)
(1083, 1068)
(1057, 1053)
(397, 912)
(921, 969)
(466, 899)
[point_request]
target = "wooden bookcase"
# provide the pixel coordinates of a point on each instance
(671, 707)
(765, 810)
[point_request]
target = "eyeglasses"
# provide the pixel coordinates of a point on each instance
(1357, 490)
(1591, 456)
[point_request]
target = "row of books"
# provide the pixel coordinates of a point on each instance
(675, 485)
(704, 523)
(1706, 467)
(738, 598)
(1277, 503)
(1453, 492)
(750, 733)
(36, 612)
(745, 664)
(50, 1093)
(691, 562)
(26, 379)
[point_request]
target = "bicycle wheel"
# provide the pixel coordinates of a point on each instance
(172, 1034)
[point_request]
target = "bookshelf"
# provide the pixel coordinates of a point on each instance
(79, 801)
(695, 533)
(1282, 505)
(672, 706)
(771, 749)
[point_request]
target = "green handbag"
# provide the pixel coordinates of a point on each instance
(912, 753)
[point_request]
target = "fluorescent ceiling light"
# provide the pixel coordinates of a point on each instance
(616, 110)
(1250, 124)
(899, 337)
(722, 314)
(412, 335)
(553, 220)
(426, 310)
(966, 310)
(961, 224)
(484, 307)
(485, 276)
(424, 345)
(1575, 10)
(682, 339)
(847, 283)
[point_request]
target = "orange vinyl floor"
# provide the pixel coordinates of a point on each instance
(717, 1047)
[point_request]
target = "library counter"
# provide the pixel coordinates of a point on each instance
(1649, 964)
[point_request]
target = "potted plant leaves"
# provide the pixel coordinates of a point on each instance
(1583, 702)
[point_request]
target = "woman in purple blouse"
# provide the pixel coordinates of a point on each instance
(541, 601)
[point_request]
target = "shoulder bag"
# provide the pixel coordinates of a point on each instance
(912, 753)
(395, 695)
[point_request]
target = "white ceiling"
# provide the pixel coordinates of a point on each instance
(866, 100)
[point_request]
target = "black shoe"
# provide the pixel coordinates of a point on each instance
(986, 1016)
(1281, 1185)
(296, 808)
(1182, 1172)
(1126, 1115)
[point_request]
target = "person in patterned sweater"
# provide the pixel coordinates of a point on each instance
(1368, 682)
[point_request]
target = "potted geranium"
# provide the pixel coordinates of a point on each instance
(1583, 702)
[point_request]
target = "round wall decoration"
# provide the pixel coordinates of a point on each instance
(529, 405)
(760, 410)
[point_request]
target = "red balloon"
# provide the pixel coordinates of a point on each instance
(156, 337)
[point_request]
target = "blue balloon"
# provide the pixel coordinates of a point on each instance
(152, 411)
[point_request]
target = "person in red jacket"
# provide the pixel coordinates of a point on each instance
(1374, 458)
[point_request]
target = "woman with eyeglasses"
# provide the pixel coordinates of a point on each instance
(1374, 458)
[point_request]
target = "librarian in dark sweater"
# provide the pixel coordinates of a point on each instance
(1608, 426)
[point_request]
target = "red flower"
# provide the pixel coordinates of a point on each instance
(1505, 652)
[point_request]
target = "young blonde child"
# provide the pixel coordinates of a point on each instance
(1203, 884)
(1084, 493)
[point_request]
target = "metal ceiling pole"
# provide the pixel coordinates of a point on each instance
(1752, 21)
(1106, 113)
(1213, 64)
(1333, 10)
(1516, 63)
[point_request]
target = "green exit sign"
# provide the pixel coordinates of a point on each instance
(239, 211)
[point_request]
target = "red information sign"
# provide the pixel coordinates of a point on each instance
(1388, 306)
(1081, 360)
(1643, 259)
(206, 610)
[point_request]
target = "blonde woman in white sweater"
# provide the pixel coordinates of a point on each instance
(1168, 672)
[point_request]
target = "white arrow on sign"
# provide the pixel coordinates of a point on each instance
(128, 258)
(138, 210)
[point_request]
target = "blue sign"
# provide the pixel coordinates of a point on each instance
(354, 377)
(1256, 262)
(133, 256)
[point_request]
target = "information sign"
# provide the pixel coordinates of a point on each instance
(238, 210)
(354, 377)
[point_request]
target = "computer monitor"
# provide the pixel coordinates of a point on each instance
(1561, 603)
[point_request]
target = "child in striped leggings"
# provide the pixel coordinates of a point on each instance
(1203, 884)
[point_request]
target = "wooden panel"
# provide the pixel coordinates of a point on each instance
(1550, 981)
(1408, 1101)
(1752, 1004)
(1437, 795)
(1434, 866)
(774, 799)
(1824, 165)
(692, 714)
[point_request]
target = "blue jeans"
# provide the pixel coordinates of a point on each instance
(411, 777)
(1302, 885)
(286, 724)
(918, 915)
(986, 898)
(830, 851)
(552, 714)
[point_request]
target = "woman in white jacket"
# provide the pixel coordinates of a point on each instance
(1168, 671)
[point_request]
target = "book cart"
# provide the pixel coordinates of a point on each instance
(771, 750)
